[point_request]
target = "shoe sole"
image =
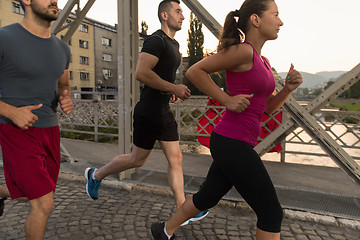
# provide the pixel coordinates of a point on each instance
(198, 219)
(86, 175)
(191, 220)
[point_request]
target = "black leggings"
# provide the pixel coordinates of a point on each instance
(237, 164)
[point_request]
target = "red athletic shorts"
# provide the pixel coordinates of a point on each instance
(31, 160)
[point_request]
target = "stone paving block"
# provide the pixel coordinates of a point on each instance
(123, 215)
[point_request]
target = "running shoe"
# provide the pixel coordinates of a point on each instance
(157, 231)
(2, 205)
(197, 217)
(92, 184)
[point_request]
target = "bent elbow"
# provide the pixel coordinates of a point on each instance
(139, 76)
(190, 74)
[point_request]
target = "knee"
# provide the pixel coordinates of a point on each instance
(176, 161)
(43, 206)
(202, 203)
(271, 221)
(137, 162)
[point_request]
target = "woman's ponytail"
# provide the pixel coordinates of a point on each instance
(231, 33)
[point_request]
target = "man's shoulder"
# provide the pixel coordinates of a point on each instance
(61, 43)
(159, 34)
(155, 40)
(9, 29)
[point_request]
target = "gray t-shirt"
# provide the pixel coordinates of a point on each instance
(30, 68)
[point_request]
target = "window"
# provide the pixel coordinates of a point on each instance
(71, 77)
(84, 60)
(16, 8)
(69, 42)
(83, 44)
(67, 22)
(83, 28)
(106, 42)
(107, 57)
(107, 73)
(84, 76)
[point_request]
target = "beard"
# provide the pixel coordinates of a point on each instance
(44, 14)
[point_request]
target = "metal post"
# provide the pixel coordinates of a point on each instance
(96, 118)
(127, 56)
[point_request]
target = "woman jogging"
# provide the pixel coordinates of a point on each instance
(251, 92)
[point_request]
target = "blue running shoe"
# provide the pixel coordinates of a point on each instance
(197, 217)
(92, 185)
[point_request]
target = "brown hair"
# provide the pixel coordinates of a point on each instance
(165, 6)
(22, 4)
(237, 22)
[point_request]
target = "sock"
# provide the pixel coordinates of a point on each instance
(166, 233)
(93, 175)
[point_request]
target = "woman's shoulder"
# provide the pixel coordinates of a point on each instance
(242, 50)
(239, 53)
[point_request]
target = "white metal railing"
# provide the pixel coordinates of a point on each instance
(97, 117)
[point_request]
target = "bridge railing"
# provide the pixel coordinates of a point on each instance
(96, 117)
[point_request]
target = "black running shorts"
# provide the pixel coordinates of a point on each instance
(153, 125)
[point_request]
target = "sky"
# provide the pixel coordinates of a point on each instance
(317, 35)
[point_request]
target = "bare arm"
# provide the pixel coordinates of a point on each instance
(233, 58)
(276, 100)
(64, 90)
(21, 116)
(145, 74)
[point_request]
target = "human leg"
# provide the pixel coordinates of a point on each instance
(93, 176)
(173, 154)
(144, 137)
(247, 173)
(136, 158)
(4, 192)
(214, 188)
(31, 160)
(31, 166)
(40, 210)
(263, 235)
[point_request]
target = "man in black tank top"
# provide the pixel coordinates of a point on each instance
(153, 120)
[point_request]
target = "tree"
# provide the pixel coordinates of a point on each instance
(195, 40)
(354, 91)
(195, 47)
(144, 28)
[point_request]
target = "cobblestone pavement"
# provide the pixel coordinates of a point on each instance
(124, 215)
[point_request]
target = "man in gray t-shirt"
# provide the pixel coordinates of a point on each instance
(34, 78)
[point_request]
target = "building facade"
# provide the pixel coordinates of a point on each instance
(93, 51)
(105, 40)
(82, 67)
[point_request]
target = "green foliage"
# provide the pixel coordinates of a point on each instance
(318, 91)
(351, 120)
(346, 106)
(354, 91)
(195, 48)
(196, 53)
(329, 83)
(195, 40)
(219, 79)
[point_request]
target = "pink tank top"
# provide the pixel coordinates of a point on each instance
(260, 81)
